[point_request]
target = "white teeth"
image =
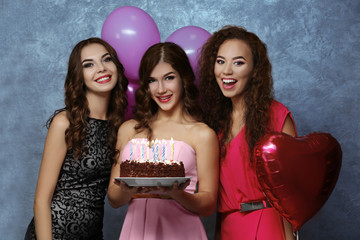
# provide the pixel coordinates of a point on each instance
(163, 98)
(102, 79)
(228, 80)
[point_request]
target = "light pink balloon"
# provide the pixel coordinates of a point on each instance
(130, 31)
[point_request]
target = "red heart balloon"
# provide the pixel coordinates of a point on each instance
(297, 174)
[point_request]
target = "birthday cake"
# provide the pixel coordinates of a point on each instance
(153, 159)
(132, 168)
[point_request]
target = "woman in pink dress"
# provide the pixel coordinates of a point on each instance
(167, 108)
(237, 95)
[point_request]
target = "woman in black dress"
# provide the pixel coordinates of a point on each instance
(80, 146)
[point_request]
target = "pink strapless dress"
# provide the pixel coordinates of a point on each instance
(156, 219)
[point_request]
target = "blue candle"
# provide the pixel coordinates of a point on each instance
(163, 150)
(153, 150)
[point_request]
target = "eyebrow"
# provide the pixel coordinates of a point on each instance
(167, 74)
(234, 58)
(89, 60)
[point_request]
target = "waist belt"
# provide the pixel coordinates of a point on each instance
(251, 206)
(149, 195)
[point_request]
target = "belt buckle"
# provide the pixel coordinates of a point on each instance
(251, 206)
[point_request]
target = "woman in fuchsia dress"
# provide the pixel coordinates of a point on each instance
(237, 94)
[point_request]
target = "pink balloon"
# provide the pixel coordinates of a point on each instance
(130, 94)
(191, 39)
(130, 31)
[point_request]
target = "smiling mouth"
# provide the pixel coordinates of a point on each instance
(104, 79)
(228, 83)
(164, 98)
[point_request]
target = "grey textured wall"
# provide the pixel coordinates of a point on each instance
(313, 45)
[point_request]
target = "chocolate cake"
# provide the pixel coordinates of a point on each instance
(131, 168)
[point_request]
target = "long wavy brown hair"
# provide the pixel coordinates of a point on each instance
(76, 104)
(258, 92)
(146, 107)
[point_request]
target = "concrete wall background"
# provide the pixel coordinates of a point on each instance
(313, 45)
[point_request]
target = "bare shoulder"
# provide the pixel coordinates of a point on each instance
(60, 121)
(128, 127)
(205, 142)
(201, 132)
(126, 132)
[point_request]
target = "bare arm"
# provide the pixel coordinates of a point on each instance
(289, 127)
(207, 159)
(53, 157)
(120, 194)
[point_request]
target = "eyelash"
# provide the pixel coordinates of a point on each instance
(169, 77)
(87, 65)
(107, 59)
(235, 63)
(239, 63)
(151, 80)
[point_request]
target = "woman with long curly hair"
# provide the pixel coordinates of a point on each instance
(167, 110)
(80, 146)
(236, 87)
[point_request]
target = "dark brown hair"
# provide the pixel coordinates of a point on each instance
(174, 55)
(76, 104)
(257, 94)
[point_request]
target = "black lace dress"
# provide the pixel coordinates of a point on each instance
(77, 207)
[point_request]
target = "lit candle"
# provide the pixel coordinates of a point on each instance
(172, 149)
(142, 149)
(131, 149)
(147, 149)
(153, 150)
(157, 149)
(163, 149)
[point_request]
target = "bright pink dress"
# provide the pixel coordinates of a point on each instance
(156, 219)
(239, 184)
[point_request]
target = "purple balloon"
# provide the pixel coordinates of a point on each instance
(130, 31)
(130, 94)
(191, 39)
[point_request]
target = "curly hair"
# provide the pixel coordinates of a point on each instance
(76, 104)
(146, 107)
(258, 92)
